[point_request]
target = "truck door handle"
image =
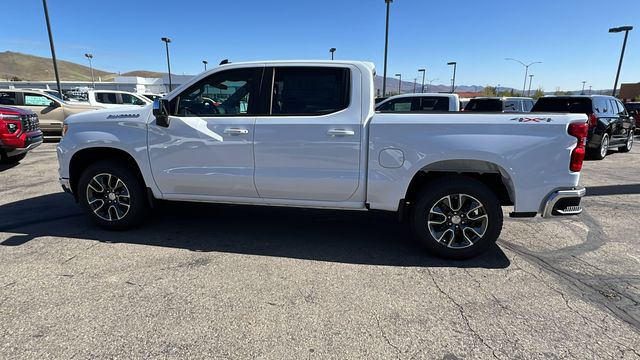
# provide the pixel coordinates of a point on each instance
(236, 131)
(341, 132)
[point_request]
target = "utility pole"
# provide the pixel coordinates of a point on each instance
(53, 49)
(90, 56)
(423, 71)
(453, 80)
(626, 30)
(530, 80)
(399, 83)
(386, 47)
(205, 62)
(332, 50)
(166, 43)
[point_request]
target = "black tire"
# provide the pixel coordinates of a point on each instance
(628, 145)
(469, 191)
(600, 153)
(10, 160)
(121, 217)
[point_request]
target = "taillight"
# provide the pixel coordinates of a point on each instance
(580, 131)
(593, 120)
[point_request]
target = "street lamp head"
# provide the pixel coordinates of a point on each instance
(205, 62)
(388, 1)
(451, 63)
(166, 39)
(398, 74)
(89, 56)
(332, 50)
(620, 29)
(421, 70)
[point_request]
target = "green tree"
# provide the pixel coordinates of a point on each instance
(539, 93)
(489, 91)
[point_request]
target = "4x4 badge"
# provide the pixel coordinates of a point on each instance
(526, 119)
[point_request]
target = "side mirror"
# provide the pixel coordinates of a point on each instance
(54, 104)
(161, 112)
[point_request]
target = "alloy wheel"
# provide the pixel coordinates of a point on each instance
(458, 221)
(108, 197)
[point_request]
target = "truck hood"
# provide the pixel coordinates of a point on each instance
(132, 113)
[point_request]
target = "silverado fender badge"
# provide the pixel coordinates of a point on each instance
(123, 116)
(526, 119)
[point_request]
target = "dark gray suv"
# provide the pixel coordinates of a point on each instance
(610, 125)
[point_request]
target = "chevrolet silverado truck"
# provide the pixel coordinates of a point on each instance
(19, 133)
(305, 134)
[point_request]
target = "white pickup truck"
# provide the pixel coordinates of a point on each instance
(305, 134)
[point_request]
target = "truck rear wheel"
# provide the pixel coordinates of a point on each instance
(457, 217)
(112, 195)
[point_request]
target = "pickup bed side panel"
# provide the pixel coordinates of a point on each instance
(535, 155)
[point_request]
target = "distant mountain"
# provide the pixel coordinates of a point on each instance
(15, 65)
(18, 66)
(144, 73)
(408, 86)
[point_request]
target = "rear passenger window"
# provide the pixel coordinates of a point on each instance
(512, 106)
(398, 105)
(310, 90)
(130, 99)
(621, 109)
(8, 98)
(528, 104)
(106, 98)
(434, 104)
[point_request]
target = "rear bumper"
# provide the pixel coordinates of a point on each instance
(564, 202)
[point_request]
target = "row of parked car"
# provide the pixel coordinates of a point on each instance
(27, 115)
(612, 124)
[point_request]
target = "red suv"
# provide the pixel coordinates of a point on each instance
(19, 133)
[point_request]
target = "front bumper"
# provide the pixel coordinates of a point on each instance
(17, 146)
(66, 185)
(564, 202)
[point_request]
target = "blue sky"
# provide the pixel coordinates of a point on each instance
(569, 37)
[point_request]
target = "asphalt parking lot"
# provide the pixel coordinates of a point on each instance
(221, 281)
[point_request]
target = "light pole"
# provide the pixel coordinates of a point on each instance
(415, 82)
(526, 70)
(386, 47)
(498, 90)
(332, 50)
(166, 43)
(423, 71)
(53, 49)
(205, 62)
(90, 56)
(399, 83)
(431, 81)
(582, 92)
(626, 30)
(589, 89)
(453, 80)
(530, 80)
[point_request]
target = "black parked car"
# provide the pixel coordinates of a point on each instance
(610, 125)
(633, 108)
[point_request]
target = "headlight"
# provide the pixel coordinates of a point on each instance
(12, 128)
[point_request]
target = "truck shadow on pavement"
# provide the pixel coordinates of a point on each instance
(322, 235)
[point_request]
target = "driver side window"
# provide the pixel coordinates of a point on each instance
(226, 93)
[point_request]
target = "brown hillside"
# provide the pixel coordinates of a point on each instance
(29, 67)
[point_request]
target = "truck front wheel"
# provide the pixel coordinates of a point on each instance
(457, 217)
(112, 195)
